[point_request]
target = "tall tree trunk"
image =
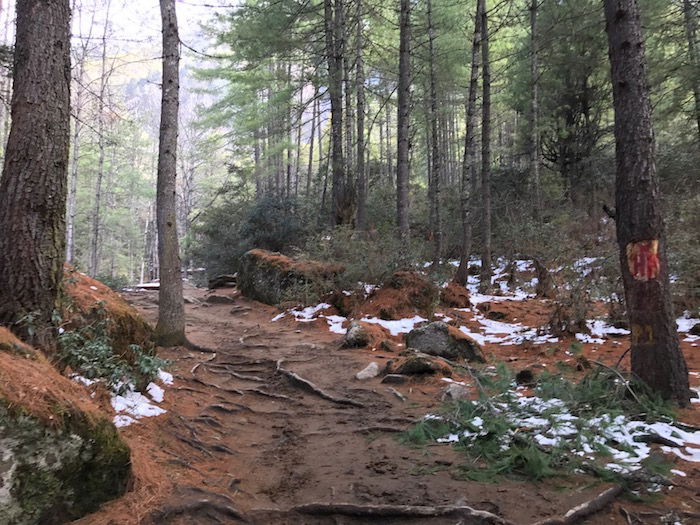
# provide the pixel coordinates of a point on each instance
(486, 271)
(170, 330)
(33, 186)
(690, 14)
(534, 109)
(96, 211)
(360, 86)
(655, 351)
(403, 124)
(334, 49)
(436, 164)
(256, 158)
(469, 160)
(73, 181)
(309, 169)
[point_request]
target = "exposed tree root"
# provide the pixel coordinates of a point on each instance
(585, 509)
(203, 504)
(400, 511)
(307, 385)
(361, 430)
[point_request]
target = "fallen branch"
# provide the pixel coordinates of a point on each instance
(400, 511)
(585, 509)
(166, 514)
(307, 385)
(396, 393)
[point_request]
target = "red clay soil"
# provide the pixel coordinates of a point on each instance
(242, 438)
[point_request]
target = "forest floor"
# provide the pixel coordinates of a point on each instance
(239, 438)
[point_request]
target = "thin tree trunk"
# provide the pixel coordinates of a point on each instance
(170, 330)
(436, 164)
(534, 108)
(33, 186)
(469, 160)
(73, 182)
(691, 19)
(403, 124)
(95, 239)
(486, 271)
(256, 158)
(655, 351)
(312, 137)
(360, 86)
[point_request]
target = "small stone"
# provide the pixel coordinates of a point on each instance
(219, 299)
(356, 336)
(394, 379)
(455, 392)
(372, 370)
(388, 346)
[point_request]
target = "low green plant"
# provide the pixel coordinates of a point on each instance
(498, 432)
(88, 351)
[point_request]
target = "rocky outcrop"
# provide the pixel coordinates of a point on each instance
(444, 341)
(454, 296)
(273, 278)
(403, 295)
(356, 336)
(60, 458)
(89, 301)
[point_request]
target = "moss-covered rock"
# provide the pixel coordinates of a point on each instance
(273, 278)
(54, 475)
(60, 458)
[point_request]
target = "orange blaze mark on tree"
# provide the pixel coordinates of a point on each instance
(643, 260)
(642, 334)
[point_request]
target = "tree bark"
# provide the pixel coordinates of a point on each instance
(170, 330)
(33, 186)
(655, 351)
(403, 124)
(534, 109)
(312, 137)
(95, 239)
(333, 13)
(469, 159)
(436, 164)
(691, 19)
(361, 223)
(486, 271)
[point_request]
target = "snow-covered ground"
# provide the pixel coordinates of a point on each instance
(132, 405)
(551, 424)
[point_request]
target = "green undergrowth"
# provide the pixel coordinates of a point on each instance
(89, 352)
(564, 428)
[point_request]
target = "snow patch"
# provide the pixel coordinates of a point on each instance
(401, 326)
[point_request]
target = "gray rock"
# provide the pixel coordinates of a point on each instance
(58, 473)
(356, 336)
(372, 370)
(220, 299)
(436, 339)
(394, 379)
(455, 392)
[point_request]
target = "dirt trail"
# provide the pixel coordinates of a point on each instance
(240, 435)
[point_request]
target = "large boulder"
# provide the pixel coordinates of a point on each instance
(454, 296)
(273, 278)
(60, 458)
(89, 301)
(403, 295)
(444, 341)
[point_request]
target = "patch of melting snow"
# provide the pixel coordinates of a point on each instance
(311, 313)
(600, 331)
(132, 405)
(686, 323)
(401, 326)
(506, 334)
